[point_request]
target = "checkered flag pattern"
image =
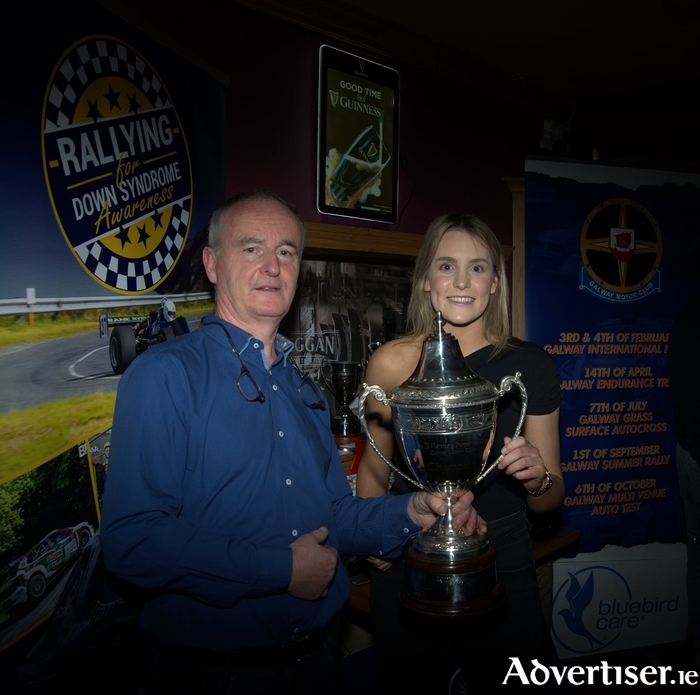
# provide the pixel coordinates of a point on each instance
(137, 275)
(93, 59)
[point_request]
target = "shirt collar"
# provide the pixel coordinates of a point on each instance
(243, 340)
(283, 346)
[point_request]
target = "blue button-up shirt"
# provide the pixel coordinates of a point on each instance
(206, 491)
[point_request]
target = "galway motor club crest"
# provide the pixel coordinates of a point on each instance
(621, 250)
(116, 164)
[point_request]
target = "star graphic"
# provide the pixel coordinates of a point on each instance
(123, 236)
(93, 110)
(134, 104)
(157, 219)
(143, 235)
(113, 98)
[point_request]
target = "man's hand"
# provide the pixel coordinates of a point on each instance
(378, 563)
(424, 508)
(313, 565)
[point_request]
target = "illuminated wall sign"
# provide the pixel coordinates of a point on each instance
(357, 137)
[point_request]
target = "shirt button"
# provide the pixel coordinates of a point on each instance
(288, 481)
(256, 345)
(294, 533)
(406, 530)
(274, 387)
(281, 434)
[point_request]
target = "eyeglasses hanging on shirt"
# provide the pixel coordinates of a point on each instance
(309, 391)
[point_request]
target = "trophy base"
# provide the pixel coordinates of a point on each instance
(452, 588)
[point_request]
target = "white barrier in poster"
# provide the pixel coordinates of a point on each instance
(619, 598)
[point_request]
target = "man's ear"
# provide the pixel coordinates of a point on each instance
(209, 261)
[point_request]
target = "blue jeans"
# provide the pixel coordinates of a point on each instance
(689, 481)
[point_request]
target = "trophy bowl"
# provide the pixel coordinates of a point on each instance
(444, 419)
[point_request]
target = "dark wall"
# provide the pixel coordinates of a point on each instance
(455, 143)
(655, 128)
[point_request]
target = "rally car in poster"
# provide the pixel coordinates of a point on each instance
(27, 577)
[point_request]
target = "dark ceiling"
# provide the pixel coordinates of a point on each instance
(624, 72)
(574, 49)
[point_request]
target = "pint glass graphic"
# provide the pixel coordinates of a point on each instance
(360, 165)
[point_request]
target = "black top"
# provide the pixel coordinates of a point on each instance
(499, 495)
(685, 380)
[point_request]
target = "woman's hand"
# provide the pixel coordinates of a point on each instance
(529, 457)
(522, 460)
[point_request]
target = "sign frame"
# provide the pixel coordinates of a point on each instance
(369, 191)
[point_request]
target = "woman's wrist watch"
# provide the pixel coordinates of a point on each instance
(548, 482)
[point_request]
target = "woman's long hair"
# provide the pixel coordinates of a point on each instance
(420, 314)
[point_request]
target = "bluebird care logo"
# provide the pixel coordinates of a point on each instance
(116, 164)
(595, 605)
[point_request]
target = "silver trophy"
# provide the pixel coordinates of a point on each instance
(344, 383)
(444, 421)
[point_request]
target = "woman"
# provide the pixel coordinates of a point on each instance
(460, 271)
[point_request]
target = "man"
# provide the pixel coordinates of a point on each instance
(684, 340)
(227, 500)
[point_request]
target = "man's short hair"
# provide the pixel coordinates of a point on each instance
(257, 194)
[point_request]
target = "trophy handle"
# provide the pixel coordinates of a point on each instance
(506, 384)
(325, 363)
(380, 395)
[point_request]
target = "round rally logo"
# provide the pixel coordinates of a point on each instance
(116, 164)
(621, 249)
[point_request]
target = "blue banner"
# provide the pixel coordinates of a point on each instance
(610, 259)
